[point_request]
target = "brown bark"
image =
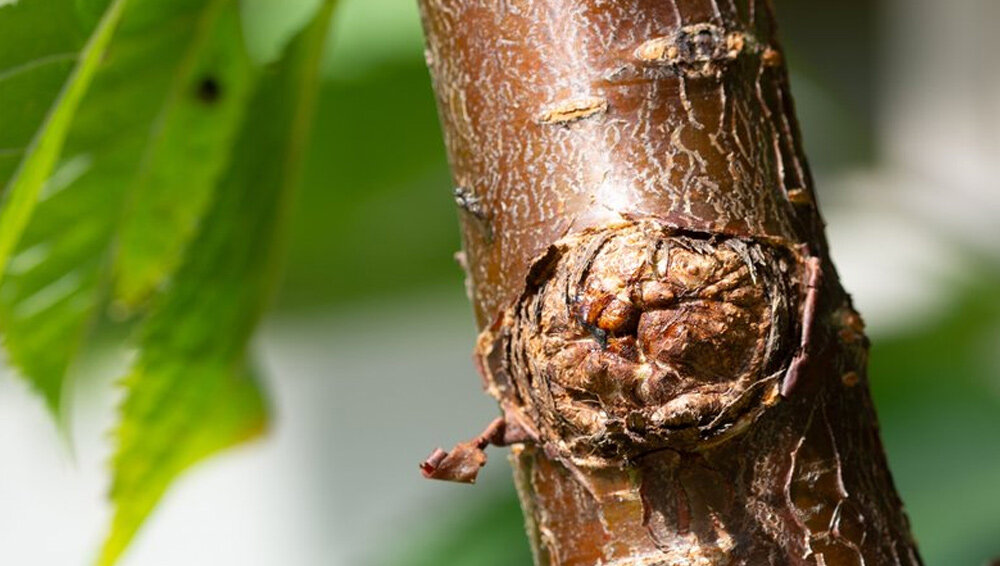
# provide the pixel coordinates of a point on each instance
(682, 376)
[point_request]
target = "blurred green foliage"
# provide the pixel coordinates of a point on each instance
(39, 308)
(36, 59)
(157, 179)
(192, 390)
(938, 398)
(376, 215)
(491, 534)
(141, 159)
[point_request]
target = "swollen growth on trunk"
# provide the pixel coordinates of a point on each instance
(682, 377)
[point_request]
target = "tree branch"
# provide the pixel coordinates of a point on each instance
(652, 282)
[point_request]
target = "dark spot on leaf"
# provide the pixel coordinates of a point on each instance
(208, 90)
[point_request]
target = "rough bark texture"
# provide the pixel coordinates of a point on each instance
(682, 376)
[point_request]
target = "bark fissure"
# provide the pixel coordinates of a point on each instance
(682, 377)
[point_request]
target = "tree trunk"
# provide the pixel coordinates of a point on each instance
(681, 375)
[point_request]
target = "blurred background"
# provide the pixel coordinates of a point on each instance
(368, 348)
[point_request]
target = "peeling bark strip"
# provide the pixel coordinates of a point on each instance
(681, 375)
(573, 109)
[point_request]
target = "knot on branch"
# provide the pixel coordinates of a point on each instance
(637, 337)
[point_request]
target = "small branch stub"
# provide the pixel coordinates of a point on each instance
(463, 463)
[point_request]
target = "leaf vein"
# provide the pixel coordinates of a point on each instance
(12, 72)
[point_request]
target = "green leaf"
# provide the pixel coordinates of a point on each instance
(184, 152)
(140, 161)
(41, 42)
(40, 156)
(189, 393)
